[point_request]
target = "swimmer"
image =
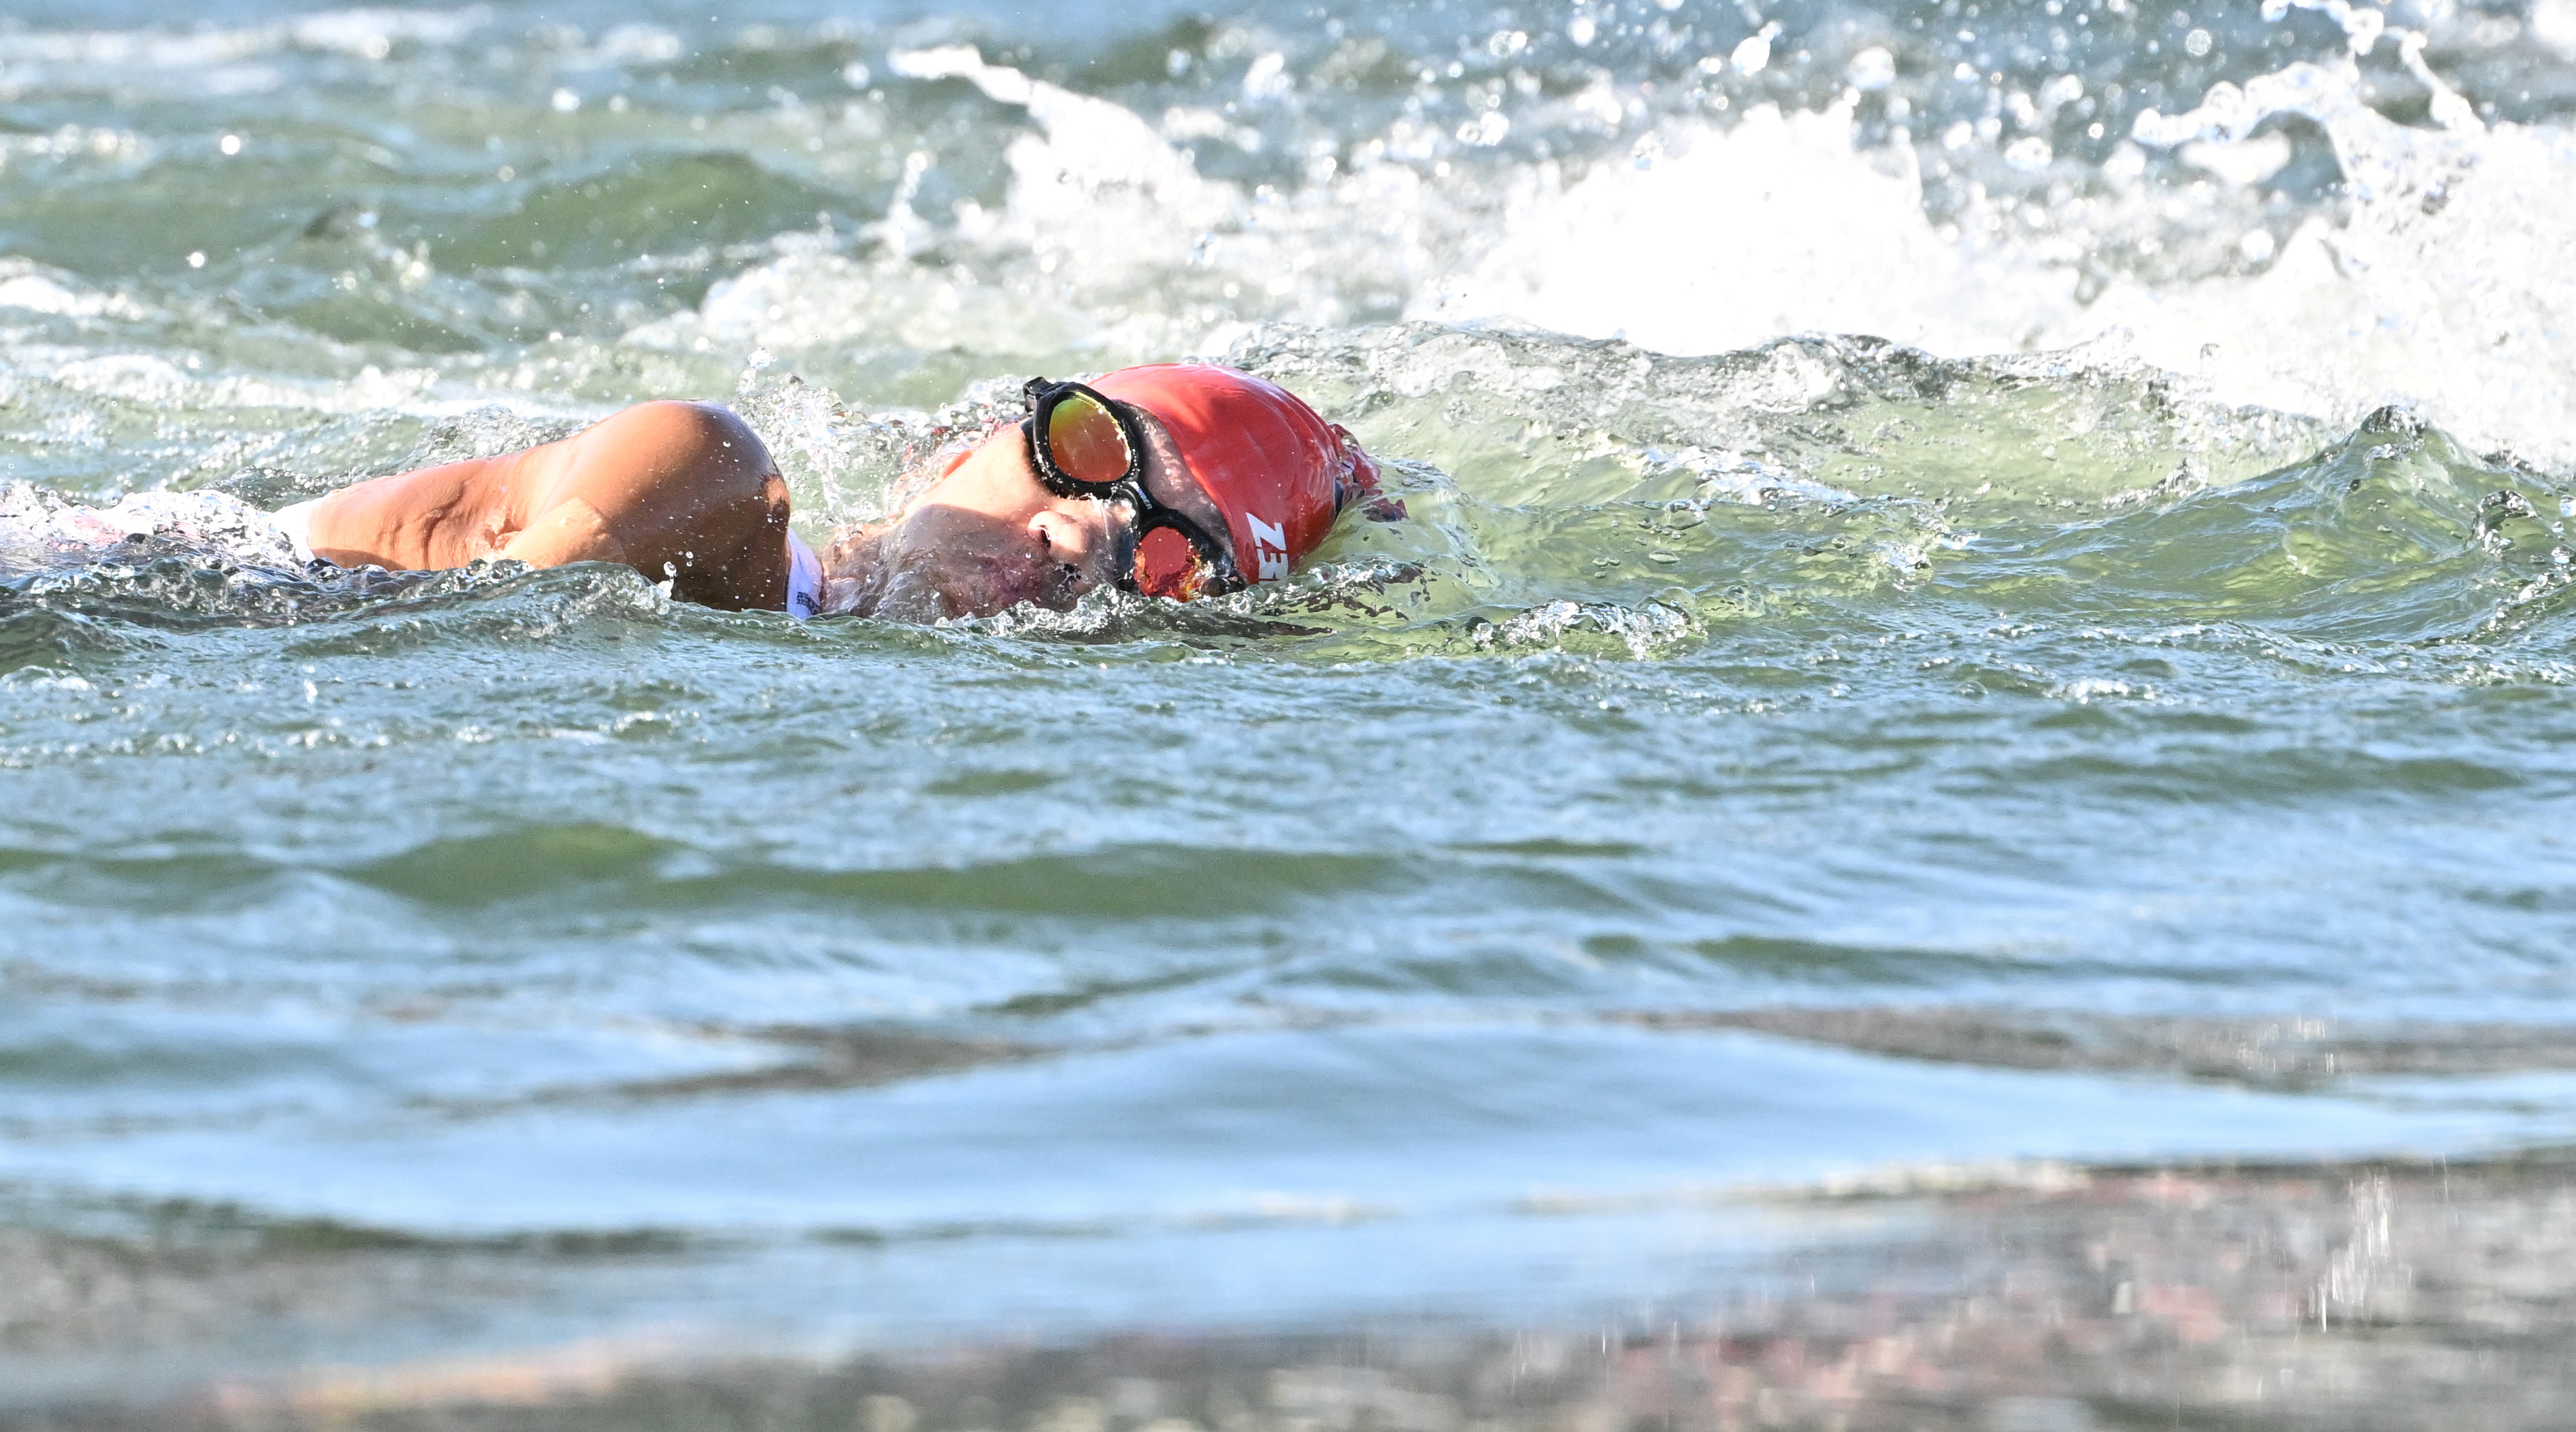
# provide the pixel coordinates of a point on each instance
(1174, 480)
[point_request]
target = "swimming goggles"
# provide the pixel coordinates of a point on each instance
(1083, 445)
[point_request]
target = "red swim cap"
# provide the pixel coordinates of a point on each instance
(1277, 471)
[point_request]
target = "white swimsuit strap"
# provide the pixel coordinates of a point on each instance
(297, 523)
(804, 580)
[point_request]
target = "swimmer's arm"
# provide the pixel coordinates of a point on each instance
(678, 491)
(571, 531)
(409, 521)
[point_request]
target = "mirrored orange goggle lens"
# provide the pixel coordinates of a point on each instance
(1086, 442)
(1168, 566)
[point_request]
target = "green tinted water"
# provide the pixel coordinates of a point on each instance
(1728, 772)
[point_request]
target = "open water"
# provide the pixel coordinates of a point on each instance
(1987, 597)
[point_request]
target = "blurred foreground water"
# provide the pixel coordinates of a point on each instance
(1951, 808)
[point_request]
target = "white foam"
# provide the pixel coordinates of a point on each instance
(214, 521)
(36, 289)
(1739, 235)
(2441, 286)
(142, 377)
(369, 33)
(1109, 239)
(803, 300)
(2553, 22)
(2446, 286)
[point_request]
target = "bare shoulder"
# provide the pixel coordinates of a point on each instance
(672, 435)
(667, 461)
(672, 488)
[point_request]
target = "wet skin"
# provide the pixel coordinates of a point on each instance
(686, 491)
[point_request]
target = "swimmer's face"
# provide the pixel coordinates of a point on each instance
(988, 535)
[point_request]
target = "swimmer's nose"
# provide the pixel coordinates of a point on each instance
(1062, 540)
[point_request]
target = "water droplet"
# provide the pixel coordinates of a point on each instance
(2029, 154)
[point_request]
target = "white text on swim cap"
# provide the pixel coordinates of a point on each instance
(1265, 537)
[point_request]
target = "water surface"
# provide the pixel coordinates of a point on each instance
(1972, 605)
